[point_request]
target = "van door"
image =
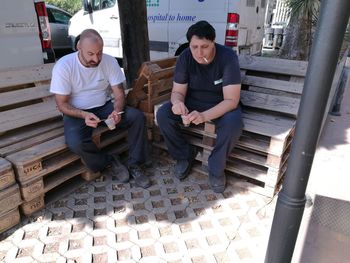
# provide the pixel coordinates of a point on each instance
(104, 18)
(252, 20)
(184, 13)
(19, 35)
(158, 17)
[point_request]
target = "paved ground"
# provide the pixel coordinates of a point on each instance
(172, 221)
(324, 235)
(175, 221)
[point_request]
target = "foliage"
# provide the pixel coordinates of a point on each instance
(298, 34)
(300, 7)
(71, 6)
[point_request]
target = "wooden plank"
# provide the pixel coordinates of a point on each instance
(7, 175)
(165, 63)
(273, 84)
(29, 132)
(273, 65)
(10, 198)
(37, 152)
(23, 116)
(48, 165)
(9, 219)
(262, 128)
(270, 102)
(271, 119)
(108, 139)
(162, 74)
(23, 95)
(15, 147)
(254, 126)
(248, 170)
(32, 206)
(39, 186)
(240, 154)
(160, 87)
(23, 75)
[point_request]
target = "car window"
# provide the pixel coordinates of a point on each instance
(58, 17)
(102, 4)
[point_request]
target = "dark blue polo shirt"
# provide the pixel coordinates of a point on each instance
(206, 82)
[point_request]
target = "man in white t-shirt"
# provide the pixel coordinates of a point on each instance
(81, 82)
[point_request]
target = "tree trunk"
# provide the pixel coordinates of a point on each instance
(297, 39)
(134, 32)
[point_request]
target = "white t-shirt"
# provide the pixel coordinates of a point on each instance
(87, 87)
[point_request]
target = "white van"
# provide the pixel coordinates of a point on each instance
(24, 34)
(168, 21)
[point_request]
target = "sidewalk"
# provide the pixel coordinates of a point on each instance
(324, 235)
(184, 221)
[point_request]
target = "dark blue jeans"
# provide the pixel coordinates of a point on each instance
(79, 137)
(228, 130)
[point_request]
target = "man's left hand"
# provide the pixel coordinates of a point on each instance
(196, 117)
(117, 117)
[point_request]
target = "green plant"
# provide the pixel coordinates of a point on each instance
(71, 6)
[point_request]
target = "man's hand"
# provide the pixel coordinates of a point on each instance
(91, 119)
(196, 117)
(117, 117)
(179, 108)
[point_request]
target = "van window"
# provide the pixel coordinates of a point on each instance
(102, 4)
(56, 16)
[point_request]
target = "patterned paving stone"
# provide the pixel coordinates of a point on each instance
(171, 221)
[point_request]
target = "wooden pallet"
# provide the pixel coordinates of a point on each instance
(33, 190)
(9, 219)
(270, 97)
(260, 168)
(7, 175)
(153, 85)
(25, 97)
(32, 134)
(10, 198)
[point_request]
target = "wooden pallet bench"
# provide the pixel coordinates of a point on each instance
(10, 197)
(271, 91)
(32, 135)
(153, 86)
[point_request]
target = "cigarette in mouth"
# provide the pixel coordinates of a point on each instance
(121, 112)
(206, 61)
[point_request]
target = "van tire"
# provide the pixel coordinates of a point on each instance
(51, 57)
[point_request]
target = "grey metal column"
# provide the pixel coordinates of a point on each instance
(291, 200)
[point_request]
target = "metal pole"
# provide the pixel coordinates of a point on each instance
(331, 27)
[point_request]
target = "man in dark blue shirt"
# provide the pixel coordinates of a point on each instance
(206, 87)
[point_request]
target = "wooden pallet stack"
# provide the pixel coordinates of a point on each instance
(10, 197)
(271, 91)
(31, 136)
(153, 85)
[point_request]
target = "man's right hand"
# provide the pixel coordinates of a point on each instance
(91, 120)
(179, 108)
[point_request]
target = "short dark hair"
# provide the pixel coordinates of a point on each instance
(201, 29)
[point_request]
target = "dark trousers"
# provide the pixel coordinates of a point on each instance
(228, 130)
(79, 137)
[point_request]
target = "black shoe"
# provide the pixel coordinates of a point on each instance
(217, 183)
(140, 178)
(119, 170)
(183, 167)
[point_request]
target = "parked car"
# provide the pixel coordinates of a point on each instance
(59, 20)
